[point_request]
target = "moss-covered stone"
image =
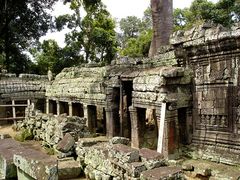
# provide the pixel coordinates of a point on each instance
(23, 135)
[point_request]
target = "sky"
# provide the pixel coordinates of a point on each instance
(117, 8)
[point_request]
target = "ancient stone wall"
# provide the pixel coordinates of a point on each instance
(26, 86)
(213, 53)
(16, 93)
(79, 84)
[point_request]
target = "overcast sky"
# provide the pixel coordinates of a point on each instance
(117, 8)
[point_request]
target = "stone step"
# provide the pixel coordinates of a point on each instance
(68, 168)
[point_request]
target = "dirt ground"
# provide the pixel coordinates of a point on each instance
(36, 145)
(7, 129)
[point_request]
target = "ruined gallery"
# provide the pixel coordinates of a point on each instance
(145, 118)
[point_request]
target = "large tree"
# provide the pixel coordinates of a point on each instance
(21, 23)
(162, 16)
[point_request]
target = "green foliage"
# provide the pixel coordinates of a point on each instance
(49, 55)
(21, 23)
(92, 38)
(138, 47)
(136, 35)
(130, 26)
(23, 135)
(224, 12)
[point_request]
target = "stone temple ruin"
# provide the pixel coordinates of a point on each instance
(184, 101)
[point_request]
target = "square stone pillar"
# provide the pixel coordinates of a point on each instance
(85, 112)
(170, 134)
(110, 126)
(135, 131)
(13, 109)
(70, 109)
(58, 108)
(47, 106)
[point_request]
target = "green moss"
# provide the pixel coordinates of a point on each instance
(23, 135)
(49, 151)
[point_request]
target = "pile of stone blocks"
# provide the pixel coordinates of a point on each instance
(19, 162)
(51, 128)
(105, 160)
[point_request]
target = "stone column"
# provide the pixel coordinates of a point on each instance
(85, 112)
(165, 131)
(70, 110)
(47, 106)
(110, 126)
(135, 133)
(92, 118)
(28, 102)
(13, 109)
(171, 134)
(58, 108)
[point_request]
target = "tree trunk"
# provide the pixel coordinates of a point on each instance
(162, 16)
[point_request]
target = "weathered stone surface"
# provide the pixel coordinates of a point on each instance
(68, 168)
(66, 144)
(151, 159)
(161, 173)
(36, 165)
(119, 140)
(124, 153)
(81, 83)
(8, 147)
(26, 85)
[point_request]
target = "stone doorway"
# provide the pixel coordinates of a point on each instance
(126, 102)
(52, 107)
(40, 105)
(182, 123)
(64, 107)
(77, 109)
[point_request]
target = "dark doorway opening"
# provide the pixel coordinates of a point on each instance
(77, 109)
(127, 88)
(40, 105)
(52, 107)
(64, 108)
(182, 123)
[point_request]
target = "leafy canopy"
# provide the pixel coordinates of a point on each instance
(92, 37)
(136, 35)
(225, 12)
(22, 22)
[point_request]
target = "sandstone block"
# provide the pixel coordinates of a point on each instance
(66, 143)
(119, 140)
(161, 173)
